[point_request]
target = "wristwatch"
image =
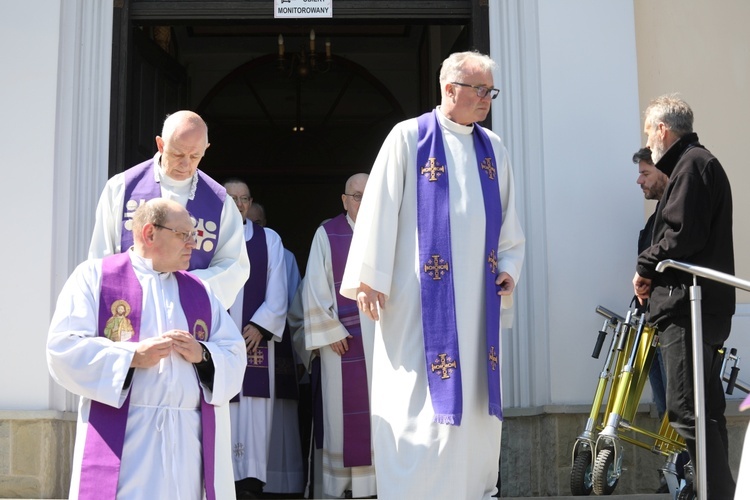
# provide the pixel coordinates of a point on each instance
(206, 354)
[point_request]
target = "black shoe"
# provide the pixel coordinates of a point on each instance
(664, 488)
(249, 488)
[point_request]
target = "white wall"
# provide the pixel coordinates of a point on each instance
(585, 61)
(29, 33)
(571, 125)
(593, 207)
(703, 55)
(55, 100)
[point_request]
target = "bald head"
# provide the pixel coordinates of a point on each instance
(182, 144)
(163, 232)
(257, 214)
(183, 121)
(353, 191)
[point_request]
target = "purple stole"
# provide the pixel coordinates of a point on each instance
(105, 436)
(256, 383)
(442, 360)
(205, 208)
(354, 391)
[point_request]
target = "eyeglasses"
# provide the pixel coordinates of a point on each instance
(238, 199)
(480, 90)
(185, 235)
(357, 196)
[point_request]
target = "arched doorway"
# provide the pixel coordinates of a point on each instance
(220, 59)
(296, 134)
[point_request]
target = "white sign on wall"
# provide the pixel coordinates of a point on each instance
(302, 8)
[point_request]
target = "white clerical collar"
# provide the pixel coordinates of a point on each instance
(145, 265)
(350, 221)
(178, 186)
(453, 126)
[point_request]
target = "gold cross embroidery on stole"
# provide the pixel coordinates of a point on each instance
(443, 366)
(433, 168)
(255, 358)
(492, 261)
(436, 268)
(488, 168)
(493, 358)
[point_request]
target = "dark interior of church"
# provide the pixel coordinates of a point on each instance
(293, 106)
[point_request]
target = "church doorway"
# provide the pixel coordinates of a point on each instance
(296, 126)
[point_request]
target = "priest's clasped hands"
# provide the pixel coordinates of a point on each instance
(150, 351)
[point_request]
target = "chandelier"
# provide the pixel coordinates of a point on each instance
(306, 62)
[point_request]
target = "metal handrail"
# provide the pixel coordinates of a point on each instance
(705, 272)
(699, 479)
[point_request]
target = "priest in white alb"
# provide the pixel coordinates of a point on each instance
(219, 258)
(285, 470)
(336, 332)
(153, 420)
(436, 253)
(260, 313)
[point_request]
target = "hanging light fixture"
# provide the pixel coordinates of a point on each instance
(307, 61)
(302, 66)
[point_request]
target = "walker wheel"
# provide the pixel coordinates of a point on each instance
(604, 474)
(580, 475)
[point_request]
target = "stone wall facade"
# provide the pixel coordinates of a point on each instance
(536, 453)
(36, 451)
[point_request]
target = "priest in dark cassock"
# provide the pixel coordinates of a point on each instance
(436, 254)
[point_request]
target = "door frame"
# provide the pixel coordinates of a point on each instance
(128, 12)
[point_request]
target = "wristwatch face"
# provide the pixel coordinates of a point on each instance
(206, 355)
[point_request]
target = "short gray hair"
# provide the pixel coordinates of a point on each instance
(155, 211)
(671, 110)
(453, 67)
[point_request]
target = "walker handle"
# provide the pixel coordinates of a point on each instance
(599, 344)
(732, 379)
(611, 316)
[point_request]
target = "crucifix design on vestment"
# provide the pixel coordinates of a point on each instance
(255, 358)
(487, 167)
(492, 261)
(493, 358)
(433, 168)
(436, 268)
(443, 366)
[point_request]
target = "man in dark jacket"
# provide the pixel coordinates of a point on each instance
(653, 182)
(693, 224)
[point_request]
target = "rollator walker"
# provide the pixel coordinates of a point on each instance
(597, 457)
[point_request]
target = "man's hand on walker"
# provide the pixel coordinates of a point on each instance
(641, 287)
